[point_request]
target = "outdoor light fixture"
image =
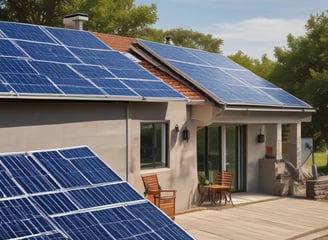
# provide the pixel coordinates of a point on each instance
(260, 137)
(185, 134)
(177, 128)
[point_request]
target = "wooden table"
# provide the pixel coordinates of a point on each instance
(213, 189)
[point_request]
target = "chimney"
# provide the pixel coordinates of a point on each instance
(168, 40)
(75, 21)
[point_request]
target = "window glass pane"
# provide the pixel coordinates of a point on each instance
(153, 145)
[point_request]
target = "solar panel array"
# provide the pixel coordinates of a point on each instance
(224, 80)
(72, 194)
(55, 63)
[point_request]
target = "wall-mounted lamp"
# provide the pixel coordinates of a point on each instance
(185, 134)
(176, 128)
(260, 137)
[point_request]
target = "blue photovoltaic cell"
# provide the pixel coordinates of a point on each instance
(47, 52)
(114, 87)
(152, 88)
(65, 173)
(123, 225)
(109, 210)
(173, 52)
(93, 71)
(26, 174)
(30, 83)
(24, 32)
(104, 195)
(161, 225)
(57, 70)
(12, 65)
(8, 187)
(94, 169)
(217, 74)
(110, 59)
(55, 203)
(76, 38)
(134, 74)
(82, 226)
(19, 218)
(284, 97)
(9, 49)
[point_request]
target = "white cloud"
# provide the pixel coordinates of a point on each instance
(255, 35)
(260, 29)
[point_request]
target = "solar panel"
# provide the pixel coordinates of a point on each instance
(47, 52)
(66, 201)
(25, 32)
(7, 48)
(223, 79)
(76, 38)
(71, 61)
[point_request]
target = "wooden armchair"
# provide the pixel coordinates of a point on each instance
(164, 199)
(224, 178)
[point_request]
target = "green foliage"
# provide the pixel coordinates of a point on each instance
(261, 67)
(118, 17)
(42, 12)
(184, 38)
(107, 16)
(302, 70)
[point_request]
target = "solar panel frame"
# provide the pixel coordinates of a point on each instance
(65, 213)
(24, 31)
(48, 52)
(7, 48)
(251, 89)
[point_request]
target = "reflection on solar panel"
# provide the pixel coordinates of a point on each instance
(223, 79)
(72, 194)
(70, 62)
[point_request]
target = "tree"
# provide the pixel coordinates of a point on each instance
(42, 12)
(262, 67)
(184, 38)
(118, 17)
(106, 16)
(302, 70)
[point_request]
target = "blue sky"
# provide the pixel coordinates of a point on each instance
(252, 26)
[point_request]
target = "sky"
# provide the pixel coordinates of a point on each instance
(253, 26)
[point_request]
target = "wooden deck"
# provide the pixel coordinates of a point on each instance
(275, 218)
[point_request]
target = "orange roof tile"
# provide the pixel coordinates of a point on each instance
(120, 43)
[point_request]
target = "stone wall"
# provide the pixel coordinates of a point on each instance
(317, 189)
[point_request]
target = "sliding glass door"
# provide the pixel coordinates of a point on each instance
(222, 148)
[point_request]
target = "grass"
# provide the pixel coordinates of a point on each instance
(320, 159)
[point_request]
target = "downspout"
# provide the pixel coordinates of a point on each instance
(127, 140)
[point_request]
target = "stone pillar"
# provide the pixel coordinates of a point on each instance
(295, 145)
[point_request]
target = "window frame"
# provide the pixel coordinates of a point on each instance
(164, 146)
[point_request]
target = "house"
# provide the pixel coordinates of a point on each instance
(143, 111)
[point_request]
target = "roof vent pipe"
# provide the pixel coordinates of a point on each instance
(168, 40)
(75, 21)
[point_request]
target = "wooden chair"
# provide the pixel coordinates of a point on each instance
(164, 199)
(204, 194)
(224, 178)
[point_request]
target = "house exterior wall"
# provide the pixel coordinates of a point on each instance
(41, 125)
(111, 130)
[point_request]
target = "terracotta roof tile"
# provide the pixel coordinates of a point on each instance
(123, 44)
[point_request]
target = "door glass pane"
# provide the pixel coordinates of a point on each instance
(232, 158)
(201, 152)
(214, 151)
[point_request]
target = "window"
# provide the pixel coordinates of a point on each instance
(153, 146)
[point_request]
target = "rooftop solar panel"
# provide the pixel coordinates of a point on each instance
(70, 60)
(25, 32)
(224, 80)
(76, 38)
(7, 48)
(47, 52)
(107, 209)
